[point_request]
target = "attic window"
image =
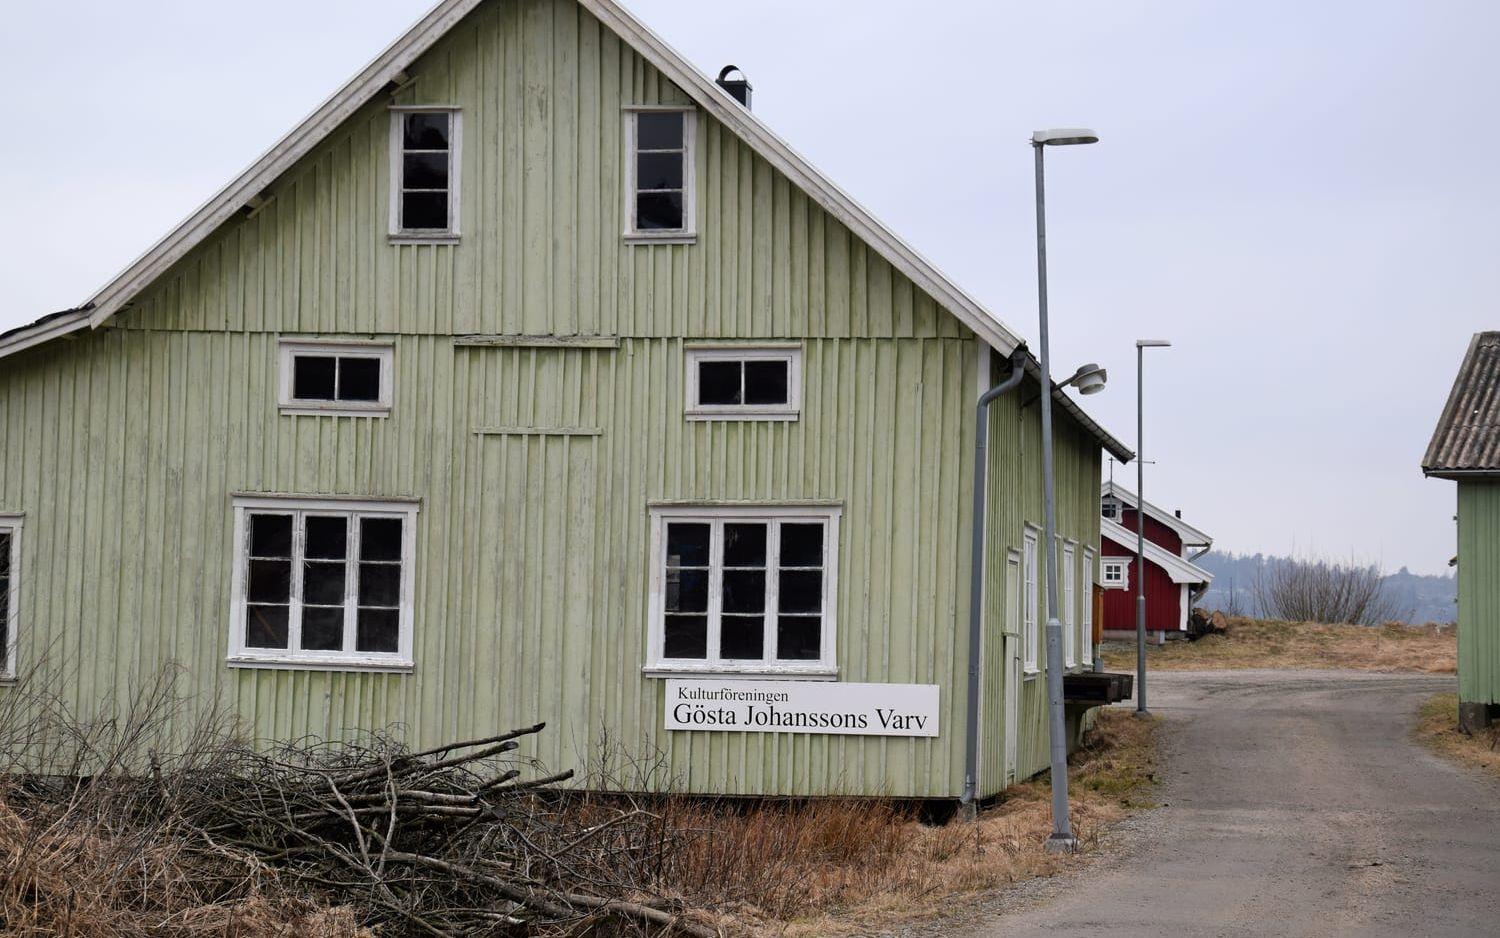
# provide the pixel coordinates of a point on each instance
(336, 378)
(658, 174)
(1110, 509)
(739, 383)
(424, 174)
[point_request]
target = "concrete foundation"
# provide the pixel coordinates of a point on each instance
(1474, 717)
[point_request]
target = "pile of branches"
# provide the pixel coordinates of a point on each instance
(448, 841)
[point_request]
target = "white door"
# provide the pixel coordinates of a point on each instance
(1012, 661)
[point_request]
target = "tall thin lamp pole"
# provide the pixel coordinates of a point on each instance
(1061, 839)
(1140, 520)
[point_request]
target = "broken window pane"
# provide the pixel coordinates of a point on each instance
(802, 545)
(686, 637)
(745, 545)
(658, 211)
(313, 377)
(766, 382)
(378, 630)
(658, 130)
(380, 539)
(327, 538)
(426, 131)
(742, 638)
(799, 638)
(719, 382)
(266, 626)
(359, 379)
(323, 629)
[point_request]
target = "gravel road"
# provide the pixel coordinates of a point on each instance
(1293, 803)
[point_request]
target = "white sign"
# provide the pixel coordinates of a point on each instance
(803, 707)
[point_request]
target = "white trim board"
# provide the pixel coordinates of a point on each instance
(1180, 570)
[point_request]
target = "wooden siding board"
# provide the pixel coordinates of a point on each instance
(1479, 591)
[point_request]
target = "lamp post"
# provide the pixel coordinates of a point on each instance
(1061, 839)
(1140, 520)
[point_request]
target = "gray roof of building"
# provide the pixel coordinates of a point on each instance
(1467, 438)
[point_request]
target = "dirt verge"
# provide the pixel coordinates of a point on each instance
(1437, 729)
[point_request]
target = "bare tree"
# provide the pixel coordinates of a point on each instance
(1318, 590)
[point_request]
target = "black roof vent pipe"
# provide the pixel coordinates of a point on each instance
(738, 88)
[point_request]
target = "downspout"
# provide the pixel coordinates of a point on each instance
(976, 571)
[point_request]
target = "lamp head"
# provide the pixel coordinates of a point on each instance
(1063, 137)
(1152, 343)
(1088, 379)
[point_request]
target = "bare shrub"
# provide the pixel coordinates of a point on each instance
(1298, 590)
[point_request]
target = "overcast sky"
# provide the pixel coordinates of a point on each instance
(1302, 196)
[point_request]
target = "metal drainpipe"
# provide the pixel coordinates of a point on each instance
(976, 571)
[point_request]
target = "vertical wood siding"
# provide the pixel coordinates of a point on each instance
(123, 446)
(1479, 591)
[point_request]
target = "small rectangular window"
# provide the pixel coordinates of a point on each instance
(1110, 509)
(322, 582)
(1029, 624)
(10, 591)
(424, 173)
(338, 378)
(1114, 574)
(743, 590)
(659, 174)
(739, 383)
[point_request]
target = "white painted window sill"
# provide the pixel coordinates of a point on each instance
(424, 239)
(302, 410)
(748, 414)
(766, 673)
(672, 237)
(382, 665)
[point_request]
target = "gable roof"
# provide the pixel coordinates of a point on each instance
(1180, 570)
(402, 53)
(1466, 440)
(1189, 534)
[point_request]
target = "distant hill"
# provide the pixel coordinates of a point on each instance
(1424, 598)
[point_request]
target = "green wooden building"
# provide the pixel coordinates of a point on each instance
(533, 378)
(1465, 447)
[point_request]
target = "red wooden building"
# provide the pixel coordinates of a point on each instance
(1173, 582)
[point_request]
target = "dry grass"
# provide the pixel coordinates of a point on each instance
(850, 867)
(1437, 728)
(1267, 643)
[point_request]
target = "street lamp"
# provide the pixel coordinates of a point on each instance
(1140, 521)
(1061, 839)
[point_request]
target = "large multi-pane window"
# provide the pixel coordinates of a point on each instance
(1069, 598)
(10, 591)
(1086, 630)
(1030, 639)
(322, 582)
(424, 173)
(743, 589)
(659, 173)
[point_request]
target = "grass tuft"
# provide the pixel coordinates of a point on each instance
(1437, 728)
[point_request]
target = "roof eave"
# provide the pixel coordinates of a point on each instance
(46, 329)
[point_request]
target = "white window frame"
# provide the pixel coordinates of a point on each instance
(1069, 603)
(1110, 503)
(791, 354)
(241, 655)
(688, 233)
(1030, 600)
(452, 233)
(1109, 564)
(12, 523)
(657, 664)
(384, 352)
(1086, 620)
